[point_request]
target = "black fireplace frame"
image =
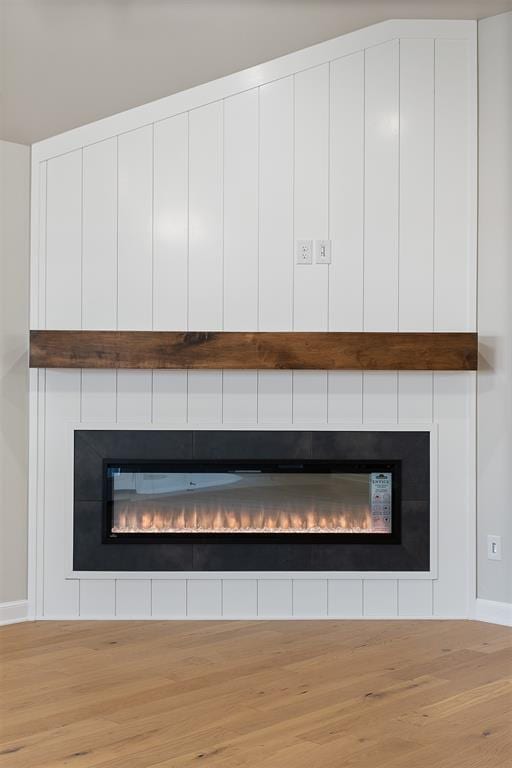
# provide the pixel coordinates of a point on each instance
(287, 465)
(408, 451)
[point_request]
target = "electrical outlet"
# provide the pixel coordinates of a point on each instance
(304, 252)
(494, 547)
(323, 251)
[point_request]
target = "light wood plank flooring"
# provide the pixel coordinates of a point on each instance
(329, 694)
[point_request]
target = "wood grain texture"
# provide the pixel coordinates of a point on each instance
(272, 350)
(324, 694)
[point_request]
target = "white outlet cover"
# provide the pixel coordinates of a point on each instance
(323, 251)
(494, 547)
(304, 252)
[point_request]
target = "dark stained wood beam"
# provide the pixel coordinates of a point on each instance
(244, 350)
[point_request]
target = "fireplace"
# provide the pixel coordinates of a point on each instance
(153, 499)
(209, 500)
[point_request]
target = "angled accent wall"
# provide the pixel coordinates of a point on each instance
(183, 214)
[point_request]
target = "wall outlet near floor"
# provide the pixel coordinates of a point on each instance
(304, 252)
(494, 547)
(323, 251)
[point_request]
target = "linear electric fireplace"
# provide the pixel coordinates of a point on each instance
(192, 500)
(225, 497)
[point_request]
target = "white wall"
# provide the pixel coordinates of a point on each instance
(183, 214)
(494, 304)
(14, 260)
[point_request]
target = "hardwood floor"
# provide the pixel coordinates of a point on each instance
(330, 694)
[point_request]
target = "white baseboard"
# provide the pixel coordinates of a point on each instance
(493, 612)
(249, 617)
(13, 613)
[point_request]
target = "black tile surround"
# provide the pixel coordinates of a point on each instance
(91, 551)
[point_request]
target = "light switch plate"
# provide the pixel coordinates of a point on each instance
(323, 251)
(494, 547)
(304, 252)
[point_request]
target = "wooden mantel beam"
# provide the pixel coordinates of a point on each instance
(247, 350)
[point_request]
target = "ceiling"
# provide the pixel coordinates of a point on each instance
(64, 63)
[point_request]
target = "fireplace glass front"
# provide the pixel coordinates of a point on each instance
(156, 499)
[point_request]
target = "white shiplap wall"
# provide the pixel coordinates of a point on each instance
(183, 215)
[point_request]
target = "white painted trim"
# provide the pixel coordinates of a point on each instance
(239, 427)
(434, 498)
(37, 390)
(472, 510)
(251, 618)
(493, 612)
(250, 78)
(13, 612)
(250, 575)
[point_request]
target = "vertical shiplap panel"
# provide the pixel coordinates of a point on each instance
(381, 188)
(415, 597)
(133, 598)
(97, 598)
(204, 598)
(62, 408)
(37, 489)
(240, 397)
(239, 598)
(99, 272)
(38, 260)
(99, 391)
(61, 403)
(346, 198)
(311, 222)
(380, 598)
(135, 235)
(170, 393)
(241, 146)
(63, 297)
(205, 296)
(454, 411)
(276, 252)
(454, 262)
(416, 262)
(275, 598)
(346, 226)
(309, 397)
(241, 211)
(135, 262)
(205, 218)
(310, 597)
(345, 597)
(381, 177)
(275, 397)
(345, 397)
(416, 257)
(204, 397)
(168, 598)
(134, 396)
(415, 396)
(380, 403)
(170, 257)
(170, 249)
